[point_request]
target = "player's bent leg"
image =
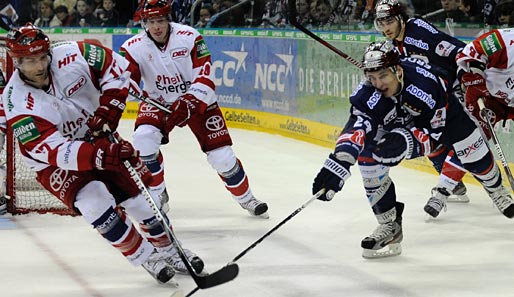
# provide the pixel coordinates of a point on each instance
(231, 171)
(448, 166)
(385, 239)
(98, 208)
(481, 164)
(138, 209)
(147, 140)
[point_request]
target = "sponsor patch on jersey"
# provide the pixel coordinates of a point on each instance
(491, 44)
(94, 55)
(180, 53)
(444, 48)
(439, 118)
(25, 130)
(201, 49)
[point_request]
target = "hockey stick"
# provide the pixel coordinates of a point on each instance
(291, 8)
(253, 245)
(225, 274)
(497, 146)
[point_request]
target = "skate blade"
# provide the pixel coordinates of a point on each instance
(171, 283)
(390, 250)
(264, 215)
(458, 199)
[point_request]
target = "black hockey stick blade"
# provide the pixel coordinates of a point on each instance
(291, 9)
(225, 274)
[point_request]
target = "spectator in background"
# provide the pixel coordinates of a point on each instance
(324, 10)
(472, 10)
(70, 5)
(505, 12)
(47, 17)
(303, 12)
(274, 14)
(108, 15)
(206, 13)
(84, 16)
(450, 11)
(61, 12)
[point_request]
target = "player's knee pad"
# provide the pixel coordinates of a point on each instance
(378, 185)
(138, 208)
(471, 149)
(222, 159)
(147, 140)
(93, 200)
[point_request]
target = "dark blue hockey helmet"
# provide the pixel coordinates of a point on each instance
(380, 55)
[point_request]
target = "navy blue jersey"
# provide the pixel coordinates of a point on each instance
(423, 39)
(425, 102)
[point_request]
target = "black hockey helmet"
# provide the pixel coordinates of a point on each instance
(380, 55)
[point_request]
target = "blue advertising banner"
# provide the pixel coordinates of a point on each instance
(255, 73)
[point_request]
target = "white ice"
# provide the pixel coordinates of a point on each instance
(466, 252)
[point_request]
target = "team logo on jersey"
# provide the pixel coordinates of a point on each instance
(95, 56)
(491, 44)
(180, 53)
(75, 86)
(25, 130)
(215, 123)
(439, 118)
(444, 48)
(201, 49)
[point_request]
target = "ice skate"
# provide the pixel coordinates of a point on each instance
(159, 269)
(256, 207)
(164, 198)
(385, 240)
(174, 260)
(3, 205)
(503, 201)
(459, 194)
(437, 202)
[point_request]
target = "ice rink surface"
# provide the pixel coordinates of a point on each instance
(468, 251)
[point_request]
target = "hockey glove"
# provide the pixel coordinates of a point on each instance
(395, 146)
(474, 85)
(183, 109)
(331, 177)
(106, 116)
(110, 156)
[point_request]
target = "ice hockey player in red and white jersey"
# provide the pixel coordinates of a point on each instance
(486, 70)
(174, 64)
(55, 98)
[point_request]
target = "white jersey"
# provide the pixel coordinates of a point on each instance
(495, 50)
(183, 65)
(50, 125)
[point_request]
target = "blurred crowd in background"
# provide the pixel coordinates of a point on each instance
(314, 14)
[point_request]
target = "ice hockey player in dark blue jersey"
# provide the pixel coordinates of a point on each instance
(403, 110)
(417, 38)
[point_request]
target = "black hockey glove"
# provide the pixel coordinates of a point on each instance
(331, 177)
(395, 146)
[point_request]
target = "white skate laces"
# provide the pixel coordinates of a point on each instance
(256, 207)
(161, 271)
(459, 194)
(385, 240)
(503, 201)
(178, 265)
(437, 202)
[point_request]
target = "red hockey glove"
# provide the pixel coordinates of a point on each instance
(183, 109)
(474, 84)
(106, 116)
(110, 156)
(144, 173)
